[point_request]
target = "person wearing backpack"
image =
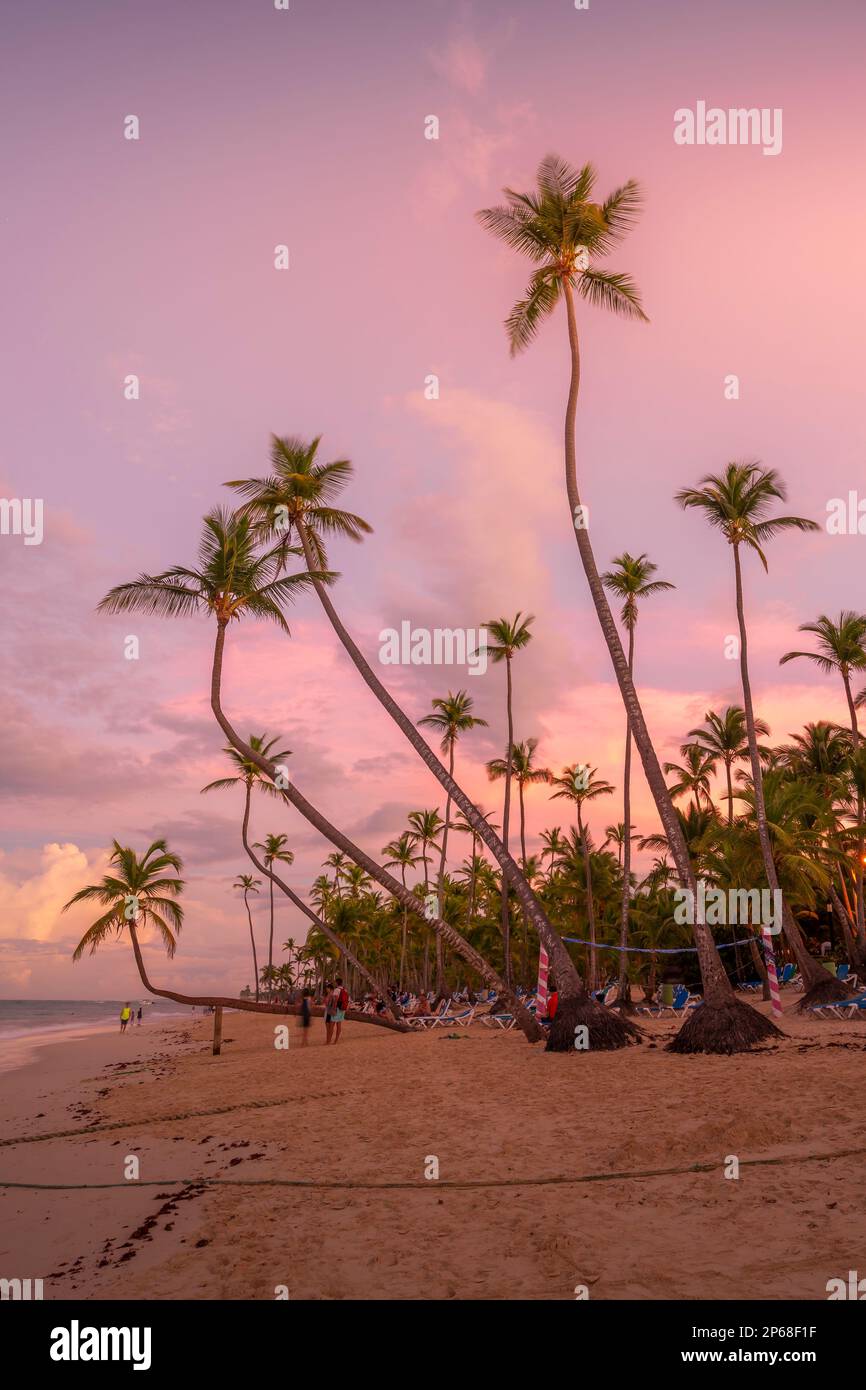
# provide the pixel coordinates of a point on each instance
(335, 1012)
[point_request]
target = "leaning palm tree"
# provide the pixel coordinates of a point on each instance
(451, 717)
(234, 580)
(725, 738)
(400, 854)
(505, 638)
(736, 503)
(559, 227)
(298, 498)
(580, 785)
(842, 649)
(142, 892)
(630, 579)
(274, 851)
(249, 884)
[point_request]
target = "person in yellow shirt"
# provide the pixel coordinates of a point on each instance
(125, 1016)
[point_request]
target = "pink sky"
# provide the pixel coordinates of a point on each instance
(155, 257)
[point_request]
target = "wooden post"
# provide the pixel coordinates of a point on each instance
(217, 1029)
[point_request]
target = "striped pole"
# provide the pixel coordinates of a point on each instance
(541, 987)
(772, 976)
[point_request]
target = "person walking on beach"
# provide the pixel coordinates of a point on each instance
(306, 1017)
(125, 1016)
(138, 1016)
(335, 1011)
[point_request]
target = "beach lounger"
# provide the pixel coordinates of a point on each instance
(842, 1008)
(462, 1020)
(503, 1021)
(423, 1021)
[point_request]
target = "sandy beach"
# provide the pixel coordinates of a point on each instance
(216, 1137)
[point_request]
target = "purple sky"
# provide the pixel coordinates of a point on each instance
(155, 257)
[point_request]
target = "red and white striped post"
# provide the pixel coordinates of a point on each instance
(541, 987)
(772, 975)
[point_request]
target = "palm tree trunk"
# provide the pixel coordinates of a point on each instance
(856, 957)
(291, 793)
(570, 985)
(817, 982)
(525, 943)
(404, 935)
(590, 905)
(724, 1023)
(271, 940)
(855, 735)
(215, 1001)
(624, 991)
(730, 790)
(440, 951)
(253, 944)
(506, 919)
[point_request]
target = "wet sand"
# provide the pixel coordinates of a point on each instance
(378, 1110)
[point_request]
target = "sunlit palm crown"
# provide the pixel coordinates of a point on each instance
(631, 578)
(248, 771)
(841, 644)
(452, 716)
(143, 880)
(550, 226)
(234, 578)
(301, 488)
(736, 503)
(505, 636)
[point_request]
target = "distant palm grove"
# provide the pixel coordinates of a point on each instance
(460, 897)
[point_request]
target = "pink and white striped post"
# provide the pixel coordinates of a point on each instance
(772, 975)
(541, 987)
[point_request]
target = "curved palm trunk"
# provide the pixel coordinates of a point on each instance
(291, 793)
(327, 932)
(570, 985)
(590, 904)
(253, 944)
(506, 814)
(440, 950)
(818, 984)
(730, 783)
(217, 1001)
(724, 1024)
(623, 1000)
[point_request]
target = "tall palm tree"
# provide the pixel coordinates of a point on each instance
(451, 717)
(736, 503)
(274, 851)
(297, 498)
(559, 227)
(249, 884)
(463, 826)
(234, 580)
(505, 638)
(580, 785)
(425, 827)
(553, 845)
(725, 738)
(630, 579)
(400, 854)
(339, 863)
(842, 648)
(525, 774)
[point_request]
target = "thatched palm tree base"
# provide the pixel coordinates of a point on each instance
(723, 1028)
(607, 1031)
(824, 991)
(624, 1004)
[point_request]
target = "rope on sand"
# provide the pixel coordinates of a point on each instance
(312, 1184)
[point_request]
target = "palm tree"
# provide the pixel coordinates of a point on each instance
(693, 775)
(525, 774)
(725, 738)
(463, 826)
(274, 851)
(736, 503)
(298, 496)
(339, 864)
(400, 854)
(842, 648)
(451, 717)
(507, 637)
(233, 580)
(580, 785)
(630, 579)
(425, 827)
(553, 845)
(143, 893)
(559, 227)
(249, 884)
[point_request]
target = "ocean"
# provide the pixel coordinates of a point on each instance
(25, 1024)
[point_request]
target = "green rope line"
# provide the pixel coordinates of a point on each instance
(312, 1184)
